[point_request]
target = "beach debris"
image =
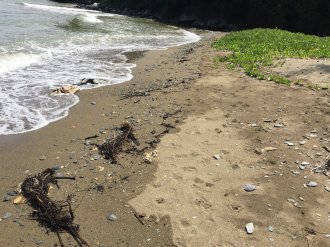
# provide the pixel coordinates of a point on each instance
(112, 217)
(55, 216)
(113, 146)
(72, 89)
(249, 187)
(148, 157)
(20, 199)
(249, 228)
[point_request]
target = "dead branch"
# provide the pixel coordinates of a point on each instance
(55, 216)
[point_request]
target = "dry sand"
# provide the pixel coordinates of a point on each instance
(185, 197)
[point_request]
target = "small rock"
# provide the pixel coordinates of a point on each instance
(249, 187)
(6, 198)
(277, 125)
(249, 228)
(42, 158)
(6, 215)
(112, 217)
(56, 167)
(305, 163)
(302, 142)
(216, 156)
(254, 125)
(102, 131)
(270, 228)
(311, 184)
(327, 188)
(93, 103)
(39, 242)
(290, 144)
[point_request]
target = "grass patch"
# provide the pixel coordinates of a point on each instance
(255, 49)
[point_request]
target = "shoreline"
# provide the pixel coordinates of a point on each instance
(190, 111)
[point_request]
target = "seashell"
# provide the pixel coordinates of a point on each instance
(20, 199)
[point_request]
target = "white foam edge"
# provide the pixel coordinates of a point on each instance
(10, 62)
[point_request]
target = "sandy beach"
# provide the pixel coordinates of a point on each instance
(215, 130)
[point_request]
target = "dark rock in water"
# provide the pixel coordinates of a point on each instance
(87, 81)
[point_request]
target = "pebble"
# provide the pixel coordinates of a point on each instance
(301, 167)
(302, 142)
(290, 144)
(39, 242)
(268, 149)
(249, 228)
(216, 156)
(102, 131)
(249, 187)
(93, 103)
(311, 184)
(11, 193)
(56, 167)
(254, 125)
(6, 198)
(6, 215)
(305, 163)
(278, 125)
(96, 157)
(112, 217)
(327, 188)
(270, 228)
(42, 158)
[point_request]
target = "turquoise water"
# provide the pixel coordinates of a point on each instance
(44, 45)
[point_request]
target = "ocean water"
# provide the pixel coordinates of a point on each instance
(44, 45)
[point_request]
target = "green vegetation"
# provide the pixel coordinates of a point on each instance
(255, 49)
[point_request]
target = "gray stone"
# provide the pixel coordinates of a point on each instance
(249, 187)
(11, 193)
(93, 103)
(270, 228)
(112, 217)
(56, 167)
(6, 198)
(311, 184)
(6, 215)
(249, 228)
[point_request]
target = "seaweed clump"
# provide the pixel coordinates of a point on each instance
(55, 216)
